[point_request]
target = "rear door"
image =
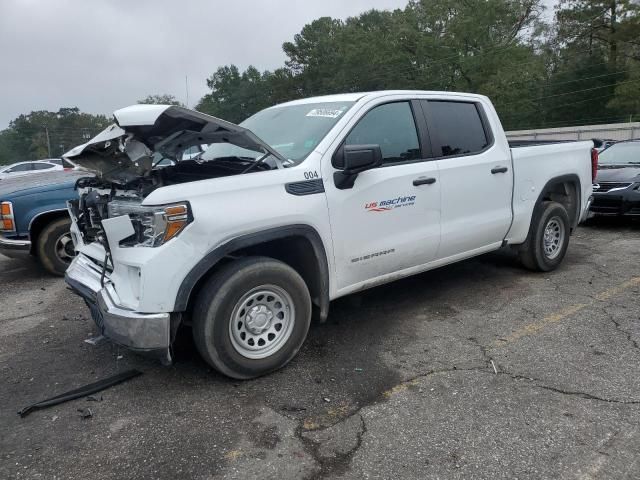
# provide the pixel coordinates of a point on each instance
(390, 219)
(475, 176)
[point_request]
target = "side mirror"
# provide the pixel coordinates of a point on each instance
(352, 160)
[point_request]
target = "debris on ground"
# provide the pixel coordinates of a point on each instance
(81, 392)
(85, 413)
(292, 408)
(95, 340)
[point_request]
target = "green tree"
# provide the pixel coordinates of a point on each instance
(160, 99)
(436, 44)
(235, 96)
(30, 137)
(610, 26)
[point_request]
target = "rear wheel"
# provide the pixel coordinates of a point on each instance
(54, 246)
(548, 238)
(251, 317)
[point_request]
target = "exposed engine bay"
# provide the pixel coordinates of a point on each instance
(99, 199)
(129, 158)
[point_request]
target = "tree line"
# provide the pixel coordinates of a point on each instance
(580, 65)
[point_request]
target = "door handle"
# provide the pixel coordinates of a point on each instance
(499, 170)
(424, 181)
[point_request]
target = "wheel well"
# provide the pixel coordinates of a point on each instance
(565, 192)
(40, 222)
(297, 251)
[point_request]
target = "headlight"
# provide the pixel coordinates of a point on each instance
(7, 222)
(153, 225)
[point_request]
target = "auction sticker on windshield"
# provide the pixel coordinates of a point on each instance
(325, 112)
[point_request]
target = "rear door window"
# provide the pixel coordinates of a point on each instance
(457, 128)
(42, 166)
(393, 128)
(23, 167)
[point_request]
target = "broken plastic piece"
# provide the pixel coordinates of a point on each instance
(81, 392)
(95, 340)
(85, 413)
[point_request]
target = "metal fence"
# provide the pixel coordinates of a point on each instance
(612, 131)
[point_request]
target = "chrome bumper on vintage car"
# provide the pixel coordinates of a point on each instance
(14, 248)
(142, 332)
(585, 213)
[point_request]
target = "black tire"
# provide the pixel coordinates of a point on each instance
(533, 254)
(48, 245)
(217, 304)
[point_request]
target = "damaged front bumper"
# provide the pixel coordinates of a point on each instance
(148, 333)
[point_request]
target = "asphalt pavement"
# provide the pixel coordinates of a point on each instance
(476, 370)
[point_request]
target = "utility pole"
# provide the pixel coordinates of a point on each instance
(46, 131)
(186, 87)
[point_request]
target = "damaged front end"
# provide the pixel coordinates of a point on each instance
(126, 159)
(110, 221)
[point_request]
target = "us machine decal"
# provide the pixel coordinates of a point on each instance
(390, 204)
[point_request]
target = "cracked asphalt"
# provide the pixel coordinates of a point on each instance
(476, 370)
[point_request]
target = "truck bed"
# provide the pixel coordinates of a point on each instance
(533, 165)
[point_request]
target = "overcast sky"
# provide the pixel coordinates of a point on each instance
(104, 55)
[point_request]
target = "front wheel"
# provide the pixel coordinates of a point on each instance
(251, 317)
(54, 246)
(548, 238)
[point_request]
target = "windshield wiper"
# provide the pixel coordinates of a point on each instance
(258, 161)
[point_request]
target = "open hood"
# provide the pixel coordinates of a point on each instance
(125, 150)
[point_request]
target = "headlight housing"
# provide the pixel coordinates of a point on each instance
(7, 221)
(153, 225)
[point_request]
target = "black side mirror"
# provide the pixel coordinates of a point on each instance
(352, 160)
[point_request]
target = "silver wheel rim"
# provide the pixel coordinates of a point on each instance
(65, 251)
(553, 237)
(262, 321)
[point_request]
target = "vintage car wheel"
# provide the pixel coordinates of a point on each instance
(54, 246)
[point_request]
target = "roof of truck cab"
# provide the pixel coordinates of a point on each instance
(354, 97)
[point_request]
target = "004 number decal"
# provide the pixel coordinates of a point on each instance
(311, 175)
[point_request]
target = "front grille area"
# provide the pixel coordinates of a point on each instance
(602, 187)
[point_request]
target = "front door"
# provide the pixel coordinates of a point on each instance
(390, 219)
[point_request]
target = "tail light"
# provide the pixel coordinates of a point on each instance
(594, 163)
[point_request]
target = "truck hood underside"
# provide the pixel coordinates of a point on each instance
(124, 151)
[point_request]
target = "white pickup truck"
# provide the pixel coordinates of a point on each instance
(303, 203)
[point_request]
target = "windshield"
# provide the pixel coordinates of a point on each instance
(623, 153)
(293, 131)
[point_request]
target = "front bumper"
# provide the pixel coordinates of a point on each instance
(14, 248)
(143, 332)
(621, 202)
